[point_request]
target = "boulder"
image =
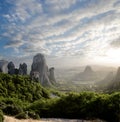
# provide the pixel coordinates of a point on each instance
(39, 69)
(3, 66)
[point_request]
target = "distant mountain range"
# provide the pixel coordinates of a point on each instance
(94, 73)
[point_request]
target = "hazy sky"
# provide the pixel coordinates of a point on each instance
(68, 32)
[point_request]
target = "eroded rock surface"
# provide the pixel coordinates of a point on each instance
(39, 69)
(51, 75)
(3, 66)
(23, 69)
(11, 68)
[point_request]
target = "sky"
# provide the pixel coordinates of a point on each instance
(67, 32)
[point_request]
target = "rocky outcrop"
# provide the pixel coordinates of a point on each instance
(117, 77)
(11, 68)
(3, 66)
(39, 70)
(51, 75)
(107, 80)
(23, 69)
(115, 83)
(87, 75)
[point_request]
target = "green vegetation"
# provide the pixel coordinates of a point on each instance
(1, 116)
(23, 98)
(85, 105)
(21, 87)
(16, 92)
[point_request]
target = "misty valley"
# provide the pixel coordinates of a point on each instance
(86, 78)
(88, 93)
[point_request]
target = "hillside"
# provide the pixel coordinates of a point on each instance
(21, 87)
(24, 99)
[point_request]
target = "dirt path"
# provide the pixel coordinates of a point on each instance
(12, 119)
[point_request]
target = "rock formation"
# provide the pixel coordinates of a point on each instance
(115, 84)
(3, 66)
(107, 80)
(39, 69)
(117, 77)
(51, 75)
(23, 69)
(11, 68)
(87, 75)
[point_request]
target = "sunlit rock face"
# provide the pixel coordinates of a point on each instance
(117, 78)
(11, 68)
(23, 69)
(3, 66)
(39, 69)
(115, 84)
(51, 75)
(109, 78)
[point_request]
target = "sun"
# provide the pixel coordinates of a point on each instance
(114, 54)
(111, 57)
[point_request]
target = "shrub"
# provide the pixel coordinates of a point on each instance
(12, 110)
(1, 116)
(22, 115)
(33, 115)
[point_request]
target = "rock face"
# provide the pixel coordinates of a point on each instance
(109, 77)
(3, 66)
(11, 68)
(23, 69)
(107, 80)
(39, 69)
(115, 83)
(51, 75)
(117, 77)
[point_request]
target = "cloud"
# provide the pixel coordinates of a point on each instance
(62, 28)
(116, 43)
(15, 44)
(24, 10)
(56, 6)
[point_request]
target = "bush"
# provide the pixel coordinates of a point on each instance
(1, 116)
(21, 87)
(22, 115)
(12, 110)
(33, 115)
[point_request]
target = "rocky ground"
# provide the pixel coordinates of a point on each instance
(11, 119)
